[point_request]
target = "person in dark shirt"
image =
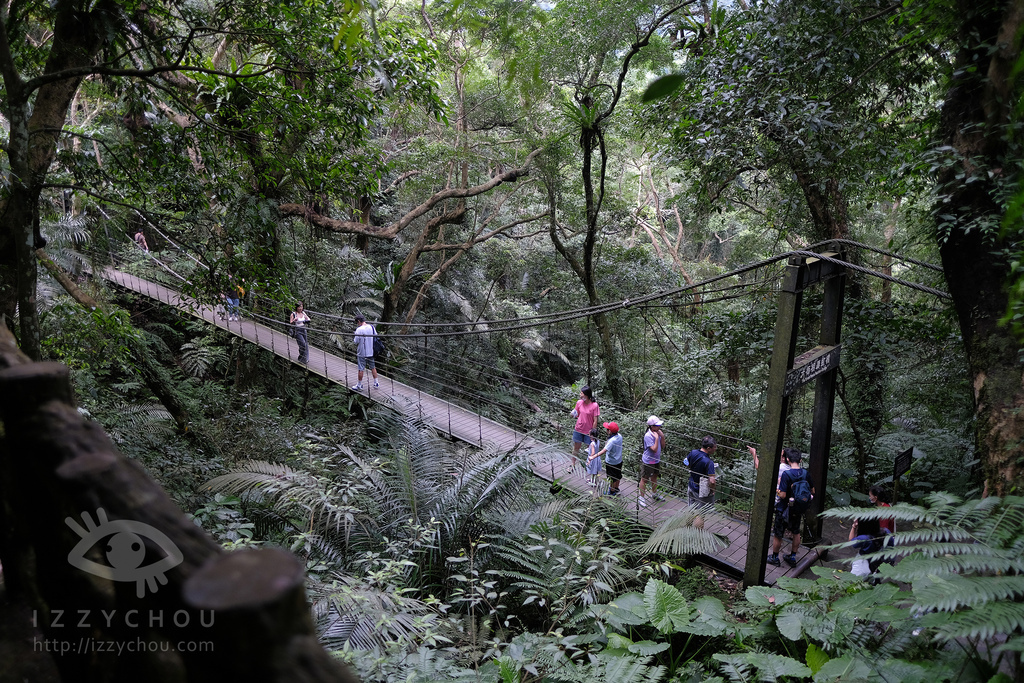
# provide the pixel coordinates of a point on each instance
(701, 488)
(789, 509)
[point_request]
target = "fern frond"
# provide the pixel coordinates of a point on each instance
(919, 566)
(681, 535)
(946, 594)
(995, 618)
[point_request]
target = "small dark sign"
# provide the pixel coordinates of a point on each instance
(902, 463)
(807, 366)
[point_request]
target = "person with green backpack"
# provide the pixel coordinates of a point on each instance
(795, 494)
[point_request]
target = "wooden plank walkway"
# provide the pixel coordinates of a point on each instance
(548, 462)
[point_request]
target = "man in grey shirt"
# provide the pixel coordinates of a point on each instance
(364, 350)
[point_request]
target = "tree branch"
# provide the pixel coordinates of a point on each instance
(633, 50)
(482, 238)
(391, 231)
(398, 181)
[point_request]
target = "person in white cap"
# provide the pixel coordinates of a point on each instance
(650, 461)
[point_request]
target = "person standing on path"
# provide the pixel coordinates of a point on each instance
(298, 320)
(795, 493)
(586, 413)
(364, 351)
(612, 453)
(650, 461)
(701, 488)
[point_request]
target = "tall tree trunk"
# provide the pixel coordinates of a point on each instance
(36, 111)
(593, 138)
(974, 118)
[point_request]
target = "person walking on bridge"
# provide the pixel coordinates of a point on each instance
(140, 239)
(298, 320)
(650, 461)
(783, 465)
(586, 413)
(364, 350)
(794, 495)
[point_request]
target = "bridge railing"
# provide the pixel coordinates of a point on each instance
(451, 366)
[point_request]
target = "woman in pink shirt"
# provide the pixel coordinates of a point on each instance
(586, 413)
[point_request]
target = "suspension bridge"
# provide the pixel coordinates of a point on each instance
(426, 377)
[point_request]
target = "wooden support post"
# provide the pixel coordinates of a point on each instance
(824, 405)
(820, 364)
(762, 513)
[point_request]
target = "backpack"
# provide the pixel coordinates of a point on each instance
(800, 493)
(380, 351)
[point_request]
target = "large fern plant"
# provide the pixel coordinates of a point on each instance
(965, 562)
(412, 488)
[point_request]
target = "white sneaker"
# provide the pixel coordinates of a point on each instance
(642, 501)
(357, 387)
(376, 384)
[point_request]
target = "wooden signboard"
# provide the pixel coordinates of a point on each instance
(807, 366)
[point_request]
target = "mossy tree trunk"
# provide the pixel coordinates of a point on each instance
(975, 116)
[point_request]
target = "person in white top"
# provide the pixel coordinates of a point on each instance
(298, 320)
(364, 350)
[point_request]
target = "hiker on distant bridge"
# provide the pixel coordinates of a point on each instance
(364, 350)
(140, 239)
(586, 413)
(298, 320)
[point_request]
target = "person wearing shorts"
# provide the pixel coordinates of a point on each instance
(702, 473)
(612, 453)
(364, 351)
(650, 461)
(586, 413)
(787, 514)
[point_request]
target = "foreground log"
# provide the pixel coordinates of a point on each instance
(120, 583)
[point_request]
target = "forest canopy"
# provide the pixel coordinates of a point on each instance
(525, 199)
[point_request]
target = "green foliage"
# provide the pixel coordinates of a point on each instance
(95, 343)
(588, 566)
(663, 87)
(202, 357)
(962, 559)
(760, 666)
(222, 517)
(684, 534)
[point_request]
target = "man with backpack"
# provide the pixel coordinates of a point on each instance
(795, 493)
(364, 338)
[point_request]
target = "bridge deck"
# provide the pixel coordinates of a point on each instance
(547, 461)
